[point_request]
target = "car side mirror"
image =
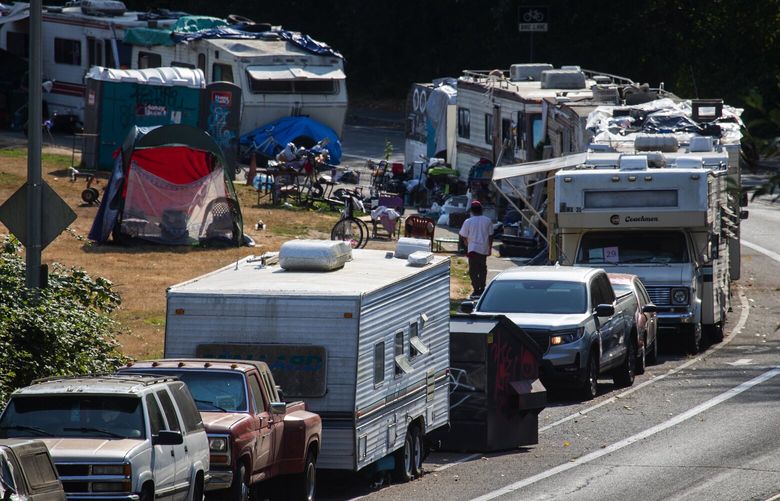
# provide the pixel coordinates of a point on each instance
(278, 408)
(466, 307)
(744, 214)
(649, 308)
(605, 310)
(167, 437)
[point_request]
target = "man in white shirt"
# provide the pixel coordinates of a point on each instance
(477, 233)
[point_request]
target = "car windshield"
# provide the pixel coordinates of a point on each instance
(213, 391)
(94, 416)
(534, 296)
(633, 247)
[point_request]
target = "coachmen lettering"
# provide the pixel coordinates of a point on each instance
(641, 219)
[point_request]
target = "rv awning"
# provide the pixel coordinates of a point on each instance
(528, 168)
(17, 13)
(295, 72)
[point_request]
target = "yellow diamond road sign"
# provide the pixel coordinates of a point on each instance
(56, 215)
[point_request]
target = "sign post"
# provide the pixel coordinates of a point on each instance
(532, 19)
(35, 112)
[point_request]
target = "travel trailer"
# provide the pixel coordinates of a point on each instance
(284, 73)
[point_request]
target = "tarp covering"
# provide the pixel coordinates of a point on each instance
(271, 138)
(148, 36)
(235, 32)
(191, 24)
(169, 186)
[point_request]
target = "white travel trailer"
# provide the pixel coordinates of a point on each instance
(280, 77)
(282, 73)
(76, 37)
(370, 340)
(662, 216)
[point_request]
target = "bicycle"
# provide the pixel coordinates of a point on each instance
(349, 228)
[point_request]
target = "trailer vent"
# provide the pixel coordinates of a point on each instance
(700, 144)
(633, 162)
(527, 72)
(563, 79)
(666, 143)
(606, 94)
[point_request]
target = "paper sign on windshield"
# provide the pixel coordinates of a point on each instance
(611, 255)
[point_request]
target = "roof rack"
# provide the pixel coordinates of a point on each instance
(149, 379)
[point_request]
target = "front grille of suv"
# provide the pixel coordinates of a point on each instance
(660, 296)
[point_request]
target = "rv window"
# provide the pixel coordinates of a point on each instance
(413, 333)
(315, 86)
(537, 137)
(94, 52)
(149, 60)
(379, 363)
(221, 73)
(488, 128)
(125, 54)
(202, 63)
(399, 351)
(18, 44)
(67, 51)
(177, 64)
(109, 48)
(464, 125)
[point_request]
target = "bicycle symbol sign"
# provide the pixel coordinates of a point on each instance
(532, 18)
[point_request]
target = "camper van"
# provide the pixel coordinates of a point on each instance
(367, 344)
(283, 73)
(76, 37)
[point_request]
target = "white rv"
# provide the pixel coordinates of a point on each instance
(370, 342)
(661, 216)
(75, 37)
(280, 77)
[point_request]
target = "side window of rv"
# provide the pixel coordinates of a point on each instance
(67, 51)
(488, 128)
(149, 60)
(399, 351)
(379, 363)
(221, 73)
(464, 123)
(202, 63)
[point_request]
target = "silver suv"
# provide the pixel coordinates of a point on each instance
(115, 438)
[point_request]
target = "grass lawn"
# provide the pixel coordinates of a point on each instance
(142, 274)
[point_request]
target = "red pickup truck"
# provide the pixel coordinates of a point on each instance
(253, 435)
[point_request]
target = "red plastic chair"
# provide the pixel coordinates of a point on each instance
(419, 227)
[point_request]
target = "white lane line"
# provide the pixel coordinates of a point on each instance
(733, 392)
(743, 316)
(768, 253)
(774, 498)
(461, 460)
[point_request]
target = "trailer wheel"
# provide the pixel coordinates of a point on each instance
(418, 451)
(404, 469)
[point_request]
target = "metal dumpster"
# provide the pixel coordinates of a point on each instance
(495, 392)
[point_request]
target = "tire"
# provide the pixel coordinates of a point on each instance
(624, 375)
(652, 353)
(239, 489)
(641, 357)
(589, 388)
(304, 484)
(366, 232)
(197, 489)
(691, 338)
(348, 230)
(716, 334)
(147, 493)
(404, 471)
(418, 452)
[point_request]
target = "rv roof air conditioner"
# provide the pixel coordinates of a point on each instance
(700, 144)
(571, 67)
(602, 79)
(633, 162)
(563, 79)
(527, 72)
(102, 7)
(666, 143)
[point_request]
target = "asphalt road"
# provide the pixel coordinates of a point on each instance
(703, 427)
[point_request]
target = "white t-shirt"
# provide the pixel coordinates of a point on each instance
(478, 229)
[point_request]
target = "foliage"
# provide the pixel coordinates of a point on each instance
(62, 330)
(388, 149)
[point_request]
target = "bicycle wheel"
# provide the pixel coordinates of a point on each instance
(349, 230)
(366, 233)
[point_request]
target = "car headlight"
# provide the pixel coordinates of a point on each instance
(680, 296)
(218, 444)
(112, 469)
(565, 337)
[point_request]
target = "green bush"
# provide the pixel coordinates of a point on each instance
(63, 330)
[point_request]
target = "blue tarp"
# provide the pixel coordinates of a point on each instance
(236, 33)
(271, 138)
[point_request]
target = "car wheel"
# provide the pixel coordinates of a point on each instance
(147, 493)
(239, 489)
(404, 471)
(418, 452)
(652, 352)
(197, 489)
(590, 386)
(624, 376)
(305, 483)
(717, 333)
(692, 338)
(641, 356)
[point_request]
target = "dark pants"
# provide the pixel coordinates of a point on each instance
(477, 271)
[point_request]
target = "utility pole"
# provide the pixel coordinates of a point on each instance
(34, 133)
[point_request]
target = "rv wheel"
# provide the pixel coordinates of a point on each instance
(404, 469)
(418, 451)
